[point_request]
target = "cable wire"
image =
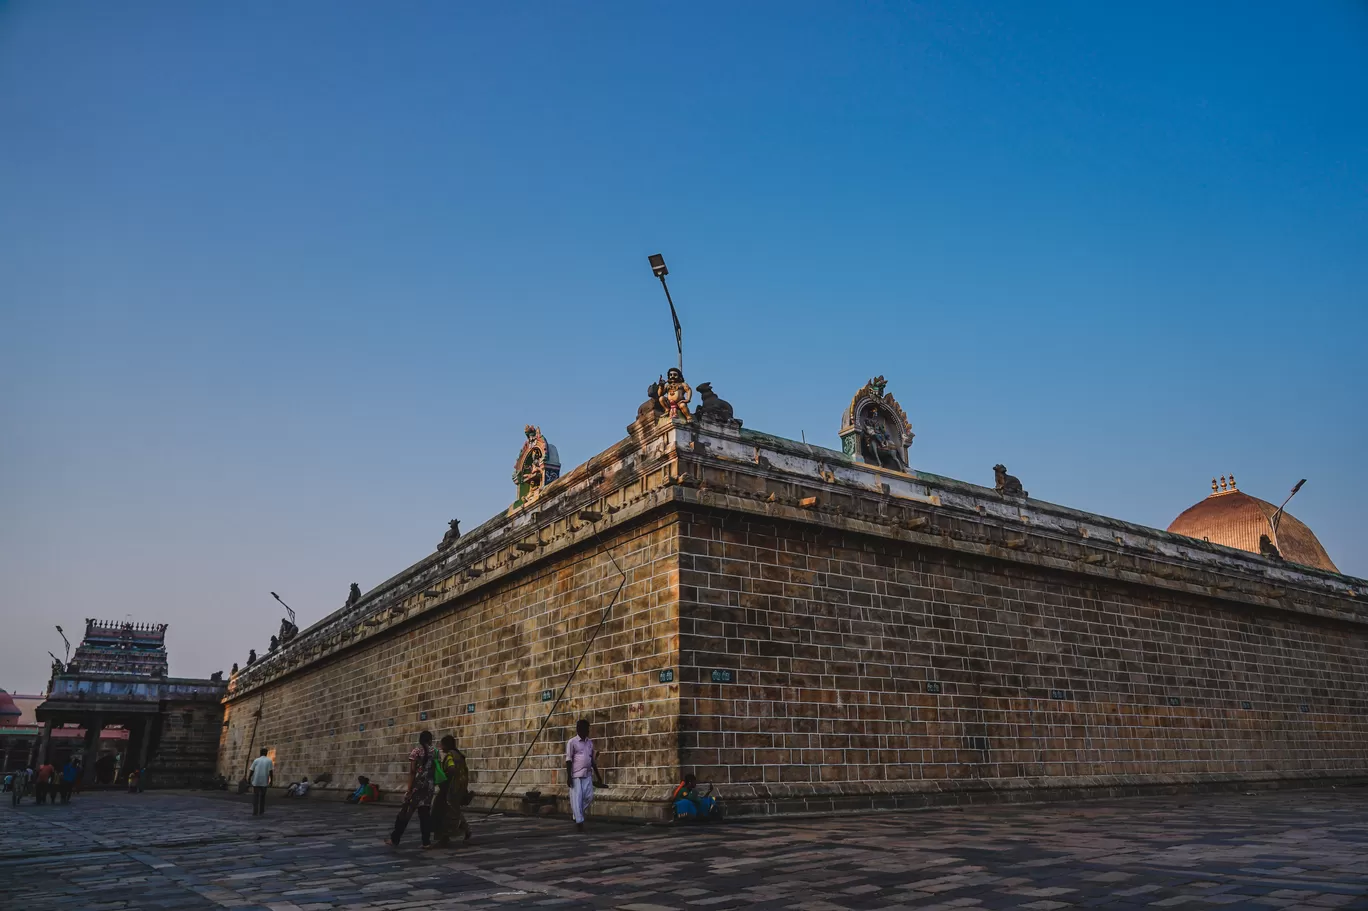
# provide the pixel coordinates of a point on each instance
(603, 618)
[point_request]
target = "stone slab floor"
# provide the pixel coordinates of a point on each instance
(189, 850)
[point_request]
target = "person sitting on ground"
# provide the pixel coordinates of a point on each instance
(298, 788)
(364, 793)
(133, 782)
(688, 803)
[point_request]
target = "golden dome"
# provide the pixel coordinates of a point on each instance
(1232, 517)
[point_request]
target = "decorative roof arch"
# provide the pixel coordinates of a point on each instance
(538, 465)
(875, 429)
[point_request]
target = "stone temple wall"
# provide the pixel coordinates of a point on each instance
(186, 744)
(810, 632)
(484, 671)
(874, 672)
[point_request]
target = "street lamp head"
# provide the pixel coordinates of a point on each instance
(657, 261)
(1299, 485)
(274, 595)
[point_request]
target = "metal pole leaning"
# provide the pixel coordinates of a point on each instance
(603, 618)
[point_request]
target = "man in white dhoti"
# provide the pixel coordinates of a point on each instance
(581, 772)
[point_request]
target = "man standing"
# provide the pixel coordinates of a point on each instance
(581, 772)
(46, 786)
(17, 784)
(262, 774)
(69, 773)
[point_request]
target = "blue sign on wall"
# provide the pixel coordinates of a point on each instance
(548, 695)
(667, 676)
(722, 677)
(932, 686)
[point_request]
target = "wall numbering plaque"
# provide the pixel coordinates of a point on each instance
(1058, 694)
(470, 708)
(722, 677)
(933, 687)
(422, 716)
(667, 676)
(547, 695)
(1246, 704)
(1174, 700)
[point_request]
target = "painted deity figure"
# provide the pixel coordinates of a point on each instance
(675, 394)
(534, 471)
(879, 444)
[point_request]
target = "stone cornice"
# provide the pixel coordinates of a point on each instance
(804, 483)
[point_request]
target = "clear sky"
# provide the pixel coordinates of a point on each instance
(280, 284)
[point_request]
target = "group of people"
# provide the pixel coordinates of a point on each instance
(439, 788)
(438, 791)
(47, 782)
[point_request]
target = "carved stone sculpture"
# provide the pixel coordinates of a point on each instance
(233, 672)
(538, 465)
(874, 428)
(216, 675)
(275, 644)
(453, 532)
(1006, 484)
(251, 657)
(1268, 549)
(353, 596)
(713, 408)
(674, 394)
(287, 631)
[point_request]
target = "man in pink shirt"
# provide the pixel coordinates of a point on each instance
(581, 772)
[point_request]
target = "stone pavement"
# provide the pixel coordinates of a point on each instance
(190, 850)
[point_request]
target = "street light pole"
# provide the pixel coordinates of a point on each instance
(657, 262)
(288, 610)
(1277, 516)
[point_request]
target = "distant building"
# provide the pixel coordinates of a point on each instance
(18, 733)
(1232, 517)
(114, 706)
(21, 734)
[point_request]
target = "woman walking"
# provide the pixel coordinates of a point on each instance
(453, 793)
(418, 798)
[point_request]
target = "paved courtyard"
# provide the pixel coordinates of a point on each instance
(1290, 849)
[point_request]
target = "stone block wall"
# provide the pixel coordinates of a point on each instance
(867, 671)
(501, 651)
(186, 745)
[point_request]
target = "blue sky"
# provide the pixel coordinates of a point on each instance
(281, 283)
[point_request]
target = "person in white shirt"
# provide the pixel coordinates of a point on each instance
(262, 774)
(299, 788)
(581, 772)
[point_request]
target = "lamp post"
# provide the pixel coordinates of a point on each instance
(657, 262)
(288, 610)
(64, 642)
(1277, 516)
